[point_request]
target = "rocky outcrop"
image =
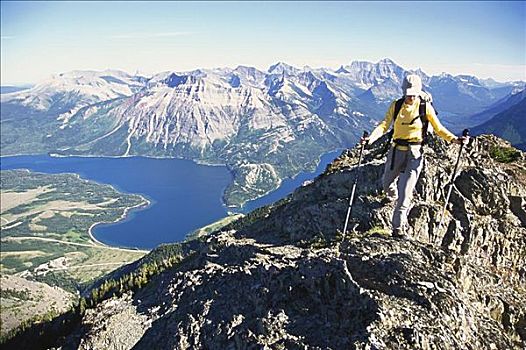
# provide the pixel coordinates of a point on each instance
(119, 326)
(23, 300)
(282, 277)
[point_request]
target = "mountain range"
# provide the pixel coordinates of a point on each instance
(265, 126)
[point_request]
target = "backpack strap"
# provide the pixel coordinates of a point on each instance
(425, 122)
(398, 107)
(422, 115)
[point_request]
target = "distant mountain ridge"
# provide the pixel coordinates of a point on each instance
(264, 126)
(7, 89)
(508, 120)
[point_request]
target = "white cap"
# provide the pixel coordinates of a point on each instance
(412, 85)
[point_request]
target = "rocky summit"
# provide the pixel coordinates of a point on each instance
(284, 276)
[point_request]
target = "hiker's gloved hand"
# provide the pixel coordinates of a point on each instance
(461, 140)
(364, 140)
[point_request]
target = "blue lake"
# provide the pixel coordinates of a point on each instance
(184, 195)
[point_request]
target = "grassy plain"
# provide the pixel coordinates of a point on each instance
(45, 222)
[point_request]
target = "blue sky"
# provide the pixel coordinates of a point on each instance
(486, 39)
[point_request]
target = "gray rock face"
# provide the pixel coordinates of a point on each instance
(115, 325)
(282, 278)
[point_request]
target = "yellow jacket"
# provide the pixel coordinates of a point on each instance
(406, 131)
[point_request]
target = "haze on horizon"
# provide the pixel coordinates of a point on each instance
(486, 39)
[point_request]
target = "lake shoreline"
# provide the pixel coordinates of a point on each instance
(189, 195)
(235, 208)
(183, 195)
(284, 181)
(141, 206)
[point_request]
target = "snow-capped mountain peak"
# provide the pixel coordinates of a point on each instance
(342, 70)
(468, 79)
(280, 68)
(387, 61)
(77, 88)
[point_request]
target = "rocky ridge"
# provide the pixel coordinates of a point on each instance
(283, 278)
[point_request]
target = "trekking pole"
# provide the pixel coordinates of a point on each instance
(465, 133)
(351, 199)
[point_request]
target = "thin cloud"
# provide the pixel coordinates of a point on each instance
(149, 35)
(7, 37)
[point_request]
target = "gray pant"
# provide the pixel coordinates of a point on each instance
(406, 167)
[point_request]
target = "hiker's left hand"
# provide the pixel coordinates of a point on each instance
(364, 140)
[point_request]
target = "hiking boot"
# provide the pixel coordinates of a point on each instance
(398, 233)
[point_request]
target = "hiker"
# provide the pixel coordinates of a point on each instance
(404, 159)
